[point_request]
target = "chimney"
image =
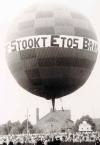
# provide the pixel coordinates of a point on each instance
(37, 115)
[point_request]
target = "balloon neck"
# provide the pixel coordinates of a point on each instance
(53, 104)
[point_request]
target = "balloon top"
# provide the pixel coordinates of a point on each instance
(51, 19)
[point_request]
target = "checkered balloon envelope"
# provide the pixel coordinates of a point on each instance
(51, 50)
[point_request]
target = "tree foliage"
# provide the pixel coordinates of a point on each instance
(98, 127)
(88, 120)
(9, 126)
(16, 128)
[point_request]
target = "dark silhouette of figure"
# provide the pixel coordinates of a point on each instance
(4, 143)
(39, 142)
(97, 142)
(10, 143)
(18, 143)
(54, 141)
(58, 141)
(50, 142)
(63, 142)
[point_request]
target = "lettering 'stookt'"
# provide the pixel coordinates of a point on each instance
(50, 41)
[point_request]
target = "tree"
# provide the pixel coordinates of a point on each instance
(37, 129)
(24, 130)
(18, 126)
(24, 126)
(88, 120)
(78, 122)
(14, 130)
(21, 128)
(3, 129)
(9, 126)
(98, 127)
(30, 130)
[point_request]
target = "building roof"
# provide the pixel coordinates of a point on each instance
(65, 113)
(57, 120)
(57, 114)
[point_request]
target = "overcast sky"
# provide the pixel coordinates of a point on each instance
(14, 100)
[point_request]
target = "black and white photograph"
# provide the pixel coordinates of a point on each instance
(50, 72)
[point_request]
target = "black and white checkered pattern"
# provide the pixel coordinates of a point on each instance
(47, 19)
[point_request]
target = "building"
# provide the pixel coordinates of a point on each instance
(57, 121)
(84, 127)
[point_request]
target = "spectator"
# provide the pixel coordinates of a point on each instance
(4, 142)
(58, 141)
(39, 142)
(18, 142)
(50, 142)
(63, 141)
(10, 143)
(97, 141)
(54, 141)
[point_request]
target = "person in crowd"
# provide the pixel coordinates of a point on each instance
(42, 139)
(63, 141)
(21, 139)
(54, 141)
(35, 141)
(4, 142)
(18, 142)
(97, 142)
(58, 141)
(46, 140)
(50, 141)
(39, 142)
(11, 142)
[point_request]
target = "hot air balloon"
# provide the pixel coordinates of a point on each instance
(51, 50)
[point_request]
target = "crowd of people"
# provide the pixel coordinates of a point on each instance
(53, 139)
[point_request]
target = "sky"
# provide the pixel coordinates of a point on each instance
(14, 100)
